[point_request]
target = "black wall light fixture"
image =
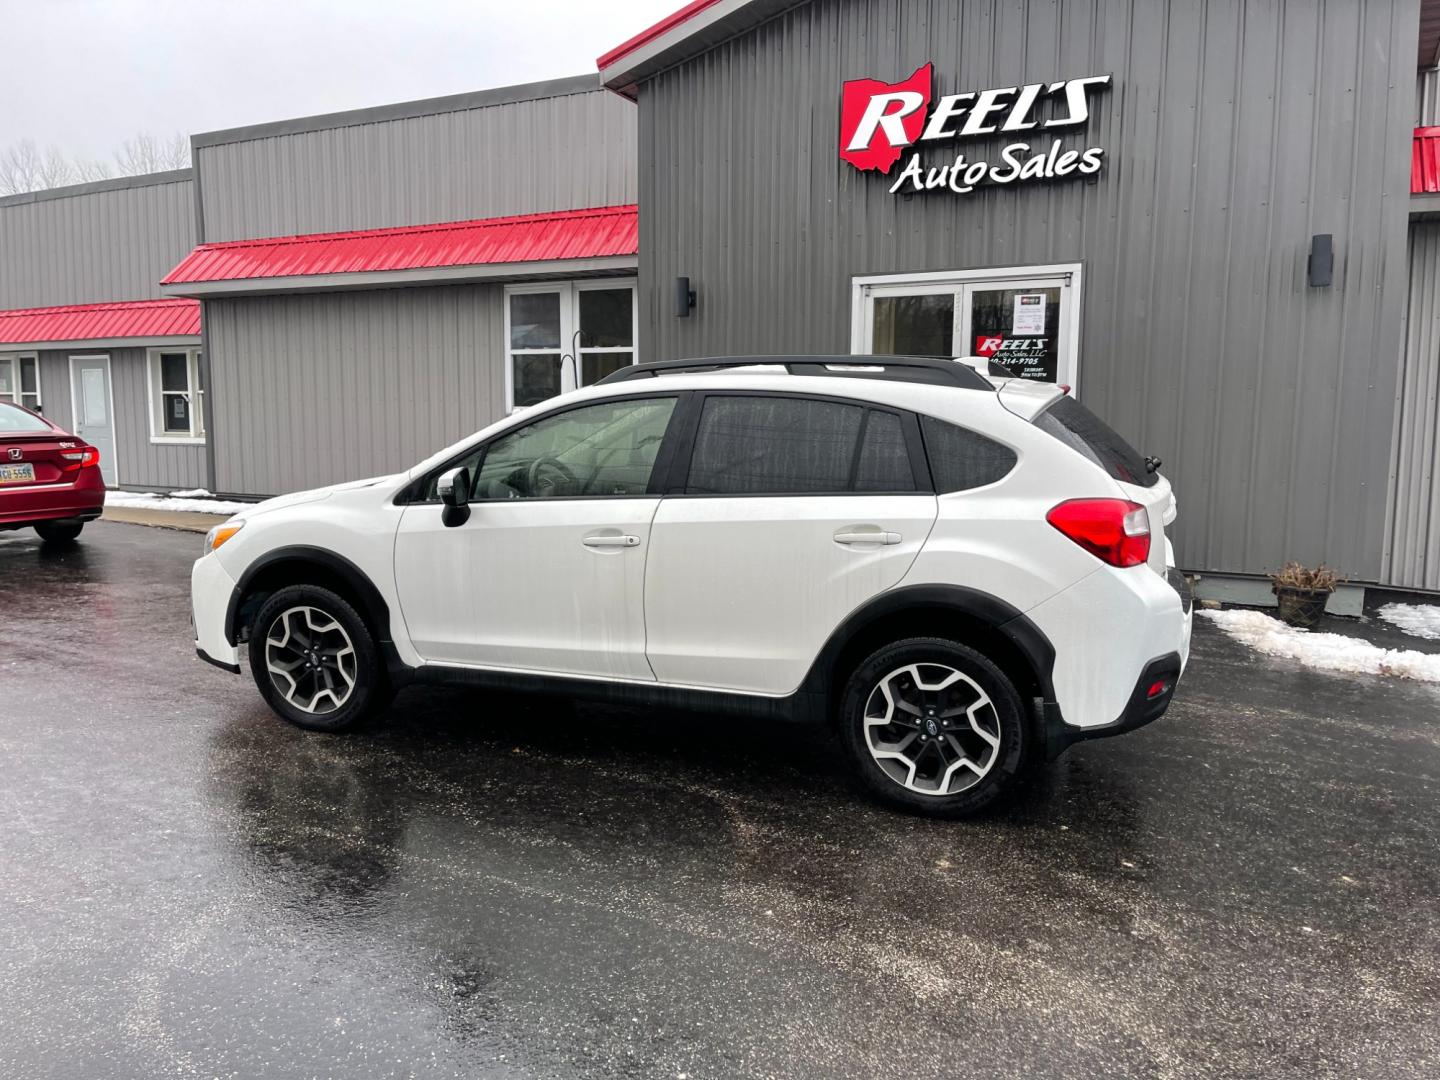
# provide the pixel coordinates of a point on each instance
(1321, 266)
(684, 298)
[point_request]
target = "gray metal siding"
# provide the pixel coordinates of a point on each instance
(553, 153)
(1234, 131)
(115, 243)
(1413, 537)
(139, 462)
(314, 389)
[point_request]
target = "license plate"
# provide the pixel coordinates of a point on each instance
(17, 474)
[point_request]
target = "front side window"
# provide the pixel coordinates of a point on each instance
(754, 445)
(177, 395)
(606, 450)
(20, 381)
(565, 335)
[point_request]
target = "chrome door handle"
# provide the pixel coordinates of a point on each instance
(611, 540)
(866, 537)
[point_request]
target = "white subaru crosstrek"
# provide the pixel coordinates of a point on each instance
(962, 573)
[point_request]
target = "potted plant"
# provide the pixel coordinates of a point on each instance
(1302, 592)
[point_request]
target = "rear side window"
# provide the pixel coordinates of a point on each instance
(19, 421)
(961, 459)
(1081, 430)
(753, 445)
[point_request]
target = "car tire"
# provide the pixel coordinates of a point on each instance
(315, 661)
(59, 532)
(946, 705)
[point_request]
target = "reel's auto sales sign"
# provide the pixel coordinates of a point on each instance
(880, 122)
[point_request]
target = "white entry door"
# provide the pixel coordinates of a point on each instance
(1024, 318)
(94, 410)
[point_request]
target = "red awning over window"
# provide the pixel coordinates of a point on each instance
(1425, 161)
(529, 238)
(138, 319)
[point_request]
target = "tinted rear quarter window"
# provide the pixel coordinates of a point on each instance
(1081, 430)
(961, 459)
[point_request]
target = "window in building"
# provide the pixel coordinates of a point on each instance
(562, 335)
(1025, 318)
(177, 396)
(753, 445)
(20, 381)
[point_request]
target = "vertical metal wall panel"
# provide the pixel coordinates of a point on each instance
(55, 388)
(1413, 546)
(553, 153)
(103, 242)
(317, 388)
(140, 463)
(1233, 132)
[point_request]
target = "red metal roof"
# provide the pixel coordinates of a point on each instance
(566, 234)
(141, 319)
(664, 26)
(1425, 161)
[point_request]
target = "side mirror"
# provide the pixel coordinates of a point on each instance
(453, 487)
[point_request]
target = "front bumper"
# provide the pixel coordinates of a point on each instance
(210, 591)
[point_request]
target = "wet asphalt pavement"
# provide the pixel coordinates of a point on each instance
(496, 887)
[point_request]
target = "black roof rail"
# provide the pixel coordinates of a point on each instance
(919, 369)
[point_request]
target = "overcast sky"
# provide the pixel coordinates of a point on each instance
(85, 75)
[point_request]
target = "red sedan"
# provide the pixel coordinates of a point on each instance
(49, 479)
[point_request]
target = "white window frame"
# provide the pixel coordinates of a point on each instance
(963, 283)
(570, 351)
(155, 397)
(13, 362)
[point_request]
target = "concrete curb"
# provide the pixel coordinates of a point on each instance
(164, 519)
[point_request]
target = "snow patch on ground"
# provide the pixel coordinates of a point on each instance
(1326, 652)
(194, 502)
(1421, 620)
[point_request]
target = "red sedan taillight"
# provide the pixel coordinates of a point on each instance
(1116, 531)
(79, 459)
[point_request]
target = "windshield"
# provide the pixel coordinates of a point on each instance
(1081, 430)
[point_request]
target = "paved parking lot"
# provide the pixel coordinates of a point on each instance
(495, 887)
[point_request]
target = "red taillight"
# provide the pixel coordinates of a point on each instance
(1114, 530)
(80, 459)
(1158, 687)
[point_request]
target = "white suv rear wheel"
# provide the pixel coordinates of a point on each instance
(934, 726)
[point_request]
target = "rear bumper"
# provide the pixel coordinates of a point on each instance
(82, 500)
(1112, 632)
(210, 589)
(1148, 701)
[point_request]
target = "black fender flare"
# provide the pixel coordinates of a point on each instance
(1007, 620)
(373, 605)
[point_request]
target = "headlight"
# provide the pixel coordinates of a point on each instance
(220, 533)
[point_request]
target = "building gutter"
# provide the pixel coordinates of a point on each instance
(391, 279)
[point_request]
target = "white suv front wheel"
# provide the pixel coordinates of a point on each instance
(314, 659)
(933, 726)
